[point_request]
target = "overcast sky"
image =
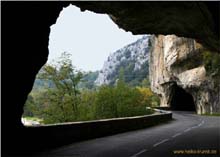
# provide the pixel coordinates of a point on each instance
(89, 37)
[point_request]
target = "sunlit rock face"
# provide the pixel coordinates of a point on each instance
(133, 57)
(176, 60)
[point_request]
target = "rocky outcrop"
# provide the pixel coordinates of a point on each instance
(198, 20)
(180, 61)
(132, 58)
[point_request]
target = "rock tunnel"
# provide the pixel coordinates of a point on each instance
(181, 100)
(25, 34)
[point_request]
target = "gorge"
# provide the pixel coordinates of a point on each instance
(25, 34)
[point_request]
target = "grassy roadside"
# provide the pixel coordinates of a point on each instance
(214, 114)
(33, 119)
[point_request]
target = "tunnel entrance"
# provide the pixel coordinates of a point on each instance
(181, 100)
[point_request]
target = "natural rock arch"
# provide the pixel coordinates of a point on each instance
(25, 34)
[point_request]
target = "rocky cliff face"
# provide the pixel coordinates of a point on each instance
(133, 58)
(180, 61)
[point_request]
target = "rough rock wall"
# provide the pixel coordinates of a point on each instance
(176, 60)
(136, 52)
(195, 20)
(26, 29)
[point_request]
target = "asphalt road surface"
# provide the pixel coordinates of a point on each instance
(187, 135)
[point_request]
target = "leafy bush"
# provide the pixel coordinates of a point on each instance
(120, 101)
(107, 102)
(65, 102)
(212, 62)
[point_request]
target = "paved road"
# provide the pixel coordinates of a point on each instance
(187, 133)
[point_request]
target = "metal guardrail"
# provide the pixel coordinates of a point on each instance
(158, 110)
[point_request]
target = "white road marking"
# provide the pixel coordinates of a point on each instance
(187, 130)
(165, 140)
(178, 134)
(142, 151)
(160, 142)
(200, 124)
(194, 127)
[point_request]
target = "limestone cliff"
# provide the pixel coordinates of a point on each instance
(180, 61)
(133, 58)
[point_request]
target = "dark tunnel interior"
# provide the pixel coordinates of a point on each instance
(181, 100)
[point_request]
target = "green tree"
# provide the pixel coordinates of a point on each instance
(106, 105)
(120, 101)
(29, 107)
(121, 78)
(87, 105)
(145, 83)
(60, 99)
(63, 99)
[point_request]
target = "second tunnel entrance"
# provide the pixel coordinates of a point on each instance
(181, 100)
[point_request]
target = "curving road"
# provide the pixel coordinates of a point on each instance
(187, 135)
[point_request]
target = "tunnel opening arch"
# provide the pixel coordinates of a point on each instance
(42, 21)
(181, 100)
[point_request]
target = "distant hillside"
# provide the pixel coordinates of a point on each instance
(88, 80)
(133, 59)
